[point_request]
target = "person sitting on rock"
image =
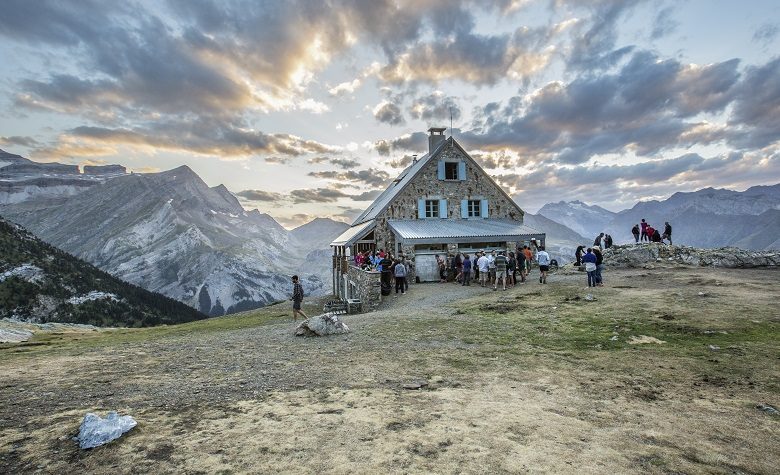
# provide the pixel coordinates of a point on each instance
(656, 237)
(578, 256)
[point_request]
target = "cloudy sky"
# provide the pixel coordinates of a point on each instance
(308, 108)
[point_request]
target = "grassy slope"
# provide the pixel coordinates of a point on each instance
(674, 406)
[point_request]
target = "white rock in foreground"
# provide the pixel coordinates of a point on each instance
(96, 431)
(321, 325)
(11, 335)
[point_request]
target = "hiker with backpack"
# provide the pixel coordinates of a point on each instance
(543, 259)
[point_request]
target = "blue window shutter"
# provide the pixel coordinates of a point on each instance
(461, 171)
(421, 209)
(441, 169)
(442, 208)
(483, 208)
(464, 208)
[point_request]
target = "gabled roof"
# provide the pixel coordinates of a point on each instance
(397, 186)
(383, 201)
(354, 234)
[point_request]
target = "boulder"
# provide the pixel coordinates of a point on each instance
(322, 325)
(96, 431)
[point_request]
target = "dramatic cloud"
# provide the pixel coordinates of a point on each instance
(316, 195)
(260, 195)
(435, 106)
(371, 177)
(388, 113)
(345, 163)
(18, 140)
(203, 136)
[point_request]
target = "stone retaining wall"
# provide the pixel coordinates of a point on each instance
(368, 287)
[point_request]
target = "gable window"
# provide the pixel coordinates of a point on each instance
(431, 208)
(474, 208)
(450, 170)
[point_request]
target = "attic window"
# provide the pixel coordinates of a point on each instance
(451, 170)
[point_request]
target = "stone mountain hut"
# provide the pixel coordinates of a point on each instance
(442, 203)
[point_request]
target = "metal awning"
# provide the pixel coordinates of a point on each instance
(433, 231)
(354, 234)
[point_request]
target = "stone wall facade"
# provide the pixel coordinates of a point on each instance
(426, 185)
(367, 287)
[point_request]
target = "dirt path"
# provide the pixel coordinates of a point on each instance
(534, 379)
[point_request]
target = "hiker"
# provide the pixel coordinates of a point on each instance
(667, 232)
(408, 267)
(643, 226)
(607, 241)
(399, 271)
(599, 265)
(597, 241)
(528, 258)
(466, 270)
(649, 231)
(501, 266)
(482, 262)
(544, 264)
(635, 232)
(590, 267)
(578, 256)
(382, 254)
(656, 236)
(442, 268)
(511, 270)
(492, 267)
(520, 264)
(458, 267)
(475, 266)
(297, 298)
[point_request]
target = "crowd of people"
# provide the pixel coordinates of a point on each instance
(645, 232)
(493, 268)
(593, 260)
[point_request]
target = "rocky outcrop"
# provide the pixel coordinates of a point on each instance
(644, 255)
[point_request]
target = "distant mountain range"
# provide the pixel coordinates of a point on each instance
(586, 220)
(40, 283)
(170, 233)
(706, 218)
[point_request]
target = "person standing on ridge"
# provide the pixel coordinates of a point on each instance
(635, 232)
(544, 264)
(597, 241)
(667, 232)
(297, 298)
(607, 241)
(644, 225)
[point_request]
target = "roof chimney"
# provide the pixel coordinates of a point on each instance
(435, 137)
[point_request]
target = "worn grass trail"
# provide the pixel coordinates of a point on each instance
(660, 373)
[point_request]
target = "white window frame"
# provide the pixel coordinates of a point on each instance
(430, 207)
(474, 208)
